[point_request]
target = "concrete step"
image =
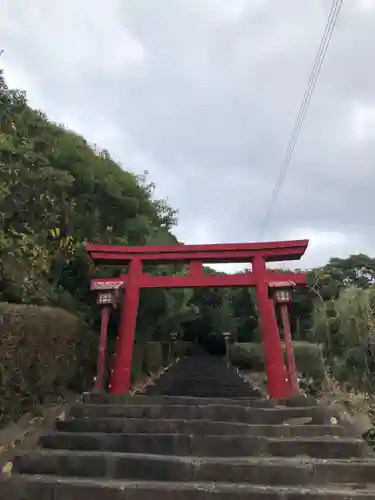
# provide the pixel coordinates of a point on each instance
(235, 383)
(207, 446)
(225, 379)
(139, 399)
(208, 392)
(220, 413)
(214, 376)
(195, 427)
(218, 377)
(60, 488)
(262, 470)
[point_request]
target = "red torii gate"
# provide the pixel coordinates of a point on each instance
(195, 255)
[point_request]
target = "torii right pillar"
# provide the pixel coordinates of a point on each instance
(277, 377)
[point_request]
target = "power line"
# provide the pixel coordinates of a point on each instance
(314, 75)
(306, 98)
(335, 9)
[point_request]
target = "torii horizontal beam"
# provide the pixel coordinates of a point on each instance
(197, 280)
(209, 254)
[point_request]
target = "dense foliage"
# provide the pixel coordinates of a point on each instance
(345, 328)
(44, 351)
(307, 354)
(56, 191)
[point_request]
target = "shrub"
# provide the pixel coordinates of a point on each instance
(182, 348)
(138, 368)
(247, 355)
(308, 358)
(153, 357)
(43, 350)
(166, 348)
(346, 328)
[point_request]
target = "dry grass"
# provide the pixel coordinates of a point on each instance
(346, 329)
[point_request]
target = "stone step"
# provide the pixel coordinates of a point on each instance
(207, 446)
(235, 383)
(201, 395)
(195, 427)
(262, 470)
(208, 392)
(60, 488)
(218, 378)
(220, 374)
(228, 383)
(221, 413)
(206, 377)
(139, 399)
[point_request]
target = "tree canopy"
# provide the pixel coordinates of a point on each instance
(56, 191)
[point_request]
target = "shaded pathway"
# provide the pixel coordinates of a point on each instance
(202, 376)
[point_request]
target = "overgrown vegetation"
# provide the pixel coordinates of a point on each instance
(308, 359)
(56, 191)
(345, 327)
(44, 351)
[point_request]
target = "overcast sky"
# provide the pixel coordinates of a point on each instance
(204, 94)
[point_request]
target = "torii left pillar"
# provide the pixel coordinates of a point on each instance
(102, 351)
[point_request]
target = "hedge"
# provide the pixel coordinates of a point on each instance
(182, 348)
(138, 368)
(43, 351)
(153, 357)
(247, 355)
(308, 358)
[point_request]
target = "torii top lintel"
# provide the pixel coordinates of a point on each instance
(210, 254)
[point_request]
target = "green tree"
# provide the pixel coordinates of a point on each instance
(56, 191)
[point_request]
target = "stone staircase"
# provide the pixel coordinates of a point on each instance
(202, 376)
(199, 433)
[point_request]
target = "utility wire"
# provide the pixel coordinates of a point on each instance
(307, 96)
(335, 9)
(315, 71)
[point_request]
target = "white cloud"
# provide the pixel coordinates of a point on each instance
(367, 4)
(228, 11)
(363, 121)
(204, 95)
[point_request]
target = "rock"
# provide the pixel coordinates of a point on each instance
(298, 421)
(362, 423)
(7, 469)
